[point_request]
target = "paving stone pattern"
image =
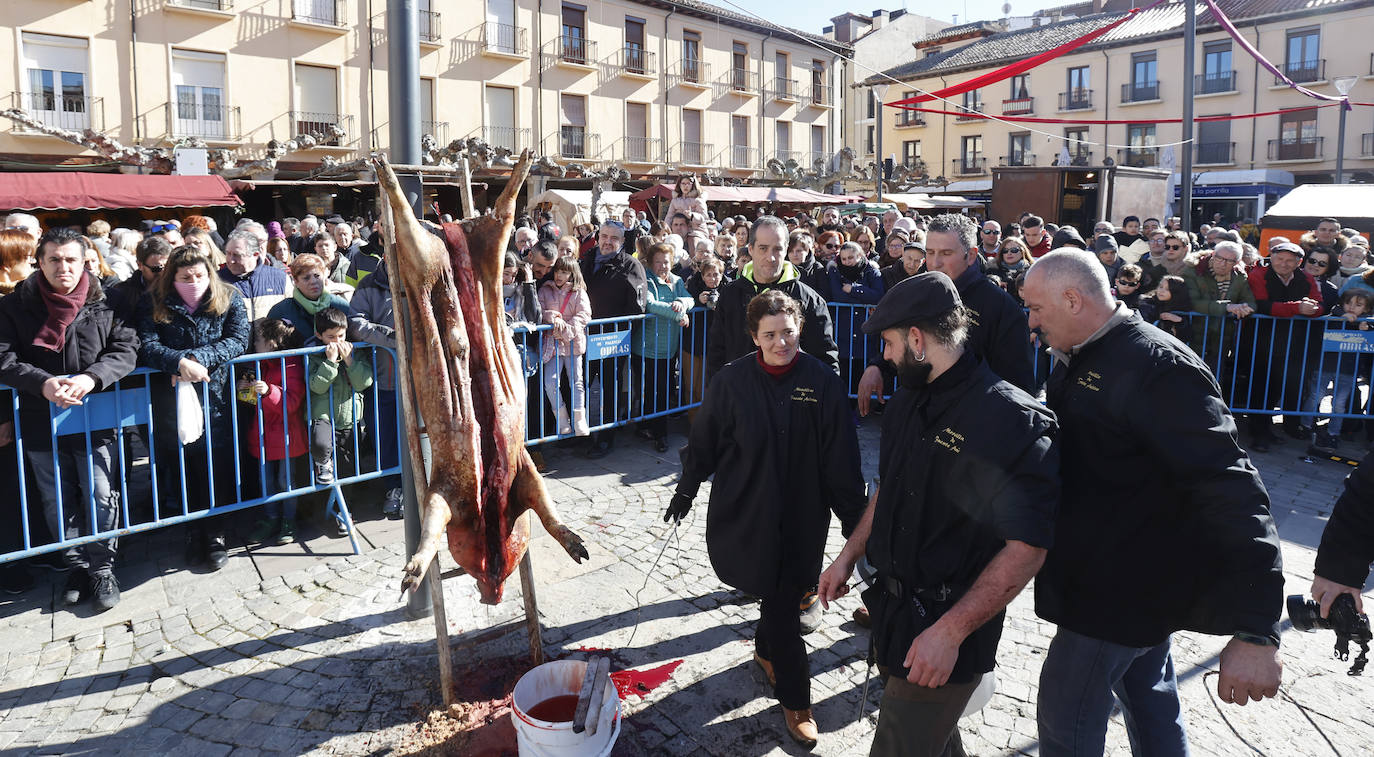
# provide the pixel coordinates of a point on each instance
(295, 651)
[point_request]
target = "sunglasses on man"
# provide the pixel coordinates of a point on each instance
(1127, 283)
(1173, 246)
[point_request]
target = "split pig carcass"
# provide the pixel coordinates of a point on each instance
(469, 391)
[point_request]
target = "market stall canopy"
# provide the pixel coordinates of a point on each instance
(112, 191)
(920, 201)
(1352, 204)
(780, 195)
(573, 206)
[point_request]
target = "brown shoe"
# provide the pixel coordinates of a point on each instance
(767, 668)
(862, 617)
(801, 726)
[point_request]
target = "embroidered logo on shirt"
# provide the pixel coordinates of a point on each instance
(804, 394)
(973, 316)
(950, 439)
(1089, 381)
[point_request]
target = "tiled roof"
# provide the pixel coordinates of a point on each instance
(1165, 19)
(961, 30)
(734, 18)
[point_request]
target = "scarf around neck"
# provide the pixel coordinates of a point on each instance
(313, 307)
(62, 311)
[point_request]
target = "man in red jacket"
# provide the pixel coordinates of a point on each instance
(1287, 293)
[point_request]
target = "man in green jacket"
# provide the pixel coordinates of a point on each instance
(1221, 292)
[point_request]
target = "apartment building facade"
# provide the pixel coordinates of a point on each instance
(653, 86)
(1134, 74)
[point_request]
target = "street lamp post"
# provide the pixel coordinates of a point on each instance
(1343, 85)
(879, 93)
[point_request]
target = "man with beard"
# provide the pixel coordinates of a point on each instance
(961, 522)
(997, 329)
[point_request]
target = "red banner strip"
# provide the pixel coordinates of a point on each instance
(1095, 122)
(1001, 74)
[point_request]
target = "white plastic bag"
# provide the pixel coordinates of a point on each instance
(190, 419)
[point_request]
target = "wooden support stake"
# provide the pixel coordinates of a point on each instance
(531, 610)
(469, 205)
(436, 594)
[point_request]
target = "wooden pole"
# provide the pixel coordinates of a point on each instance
(531, 610)
(469, 205)
(436, 593)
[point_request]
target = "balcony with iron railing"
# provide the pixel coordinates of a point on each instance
(1017, 159)
(695, 74)
(782, 156)
(1300, 149)
(740, 81)
(576, 143)
(1138, 157)
(969, 111)
(216, 7)
(909, 119)
(820, 96)
(431, 33)
(208, 122)
(1079, 157)
(635, 62)
(1076, 99)
(1018, 106)
(1367, 145)
(784, 90)
(744, 157)
(322, 126)
(1140, 92)
(694, 153)
(510, 137)
(328, 13)
(969, 165)
(1215, 83)
(641, 150)
(436, 129)
(573, 50)
(61, 112)
(1302, 71)
(1214, 153)
(504, 40)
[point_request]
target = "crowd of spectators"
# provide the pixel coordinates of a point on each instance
(187, 301)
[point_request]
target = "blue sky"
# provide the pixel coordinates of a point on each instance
(813, 15)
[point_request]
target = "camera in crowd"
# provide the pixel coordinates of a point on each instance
(1348, 623)
(712, 297)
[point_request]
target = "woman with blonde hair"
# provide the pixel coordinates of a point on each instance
(96, 265)
(200, 238)
(195, 324)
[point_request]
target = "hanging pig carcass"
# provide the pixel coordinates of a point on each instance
(469, 392)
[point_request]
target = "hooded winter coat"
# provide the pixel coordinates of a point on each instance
(571, 308)
(285, 399)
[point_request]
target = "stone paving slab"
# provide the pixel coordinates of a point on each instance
(307, 649)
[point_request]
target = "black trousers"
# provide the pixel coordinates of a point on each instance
(779, 641)
(655, 383)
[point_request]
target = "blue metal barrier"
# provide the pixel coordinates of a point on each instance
(135, 412)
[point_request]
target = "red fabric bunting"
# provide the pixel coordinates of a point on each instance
(1001, 74)
(1099, 121)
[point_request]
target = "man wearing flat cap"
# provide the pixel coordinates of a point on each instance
(969, 471)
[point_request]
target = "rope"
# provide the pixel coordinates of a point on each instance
(1211, 694)
(670, 537)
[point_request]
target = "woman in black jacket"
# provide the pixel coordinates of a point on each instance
(777, 433)
(190, 327)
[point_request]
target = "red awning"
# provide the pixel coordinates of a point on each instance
(784, 195)
(111, 191)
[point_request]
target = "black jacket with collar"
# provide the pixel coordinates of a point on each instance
(729, 336)
(1191, 545)
(97, 344)
(1347, 546)
(618, 287)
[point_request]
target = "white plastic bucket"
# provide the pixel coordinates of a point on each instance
(540, 738)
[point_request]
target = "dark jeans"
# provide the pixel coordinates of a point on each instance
(388, 434)
(779, 641)
(88, 502)
(328, 443)
(655, 382)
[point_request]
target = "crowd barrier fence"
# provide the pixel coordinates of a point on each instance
(632, 372)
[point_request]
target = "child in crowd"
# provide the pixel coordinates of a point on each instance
(1164, 305)
(1127, 288)
(336, 401)
(563, 299)
(704, 287)
(1339, 371)
(278, 390)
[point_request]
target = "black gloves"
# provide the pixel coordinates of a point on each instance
(678, 508)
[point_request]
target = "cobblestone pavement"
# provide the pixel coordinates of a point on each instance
(306, 648)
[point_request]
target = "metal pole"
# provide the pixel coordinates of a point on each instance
(1185, 187)
(403, 100)
(1340, 145)
(878, 149)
